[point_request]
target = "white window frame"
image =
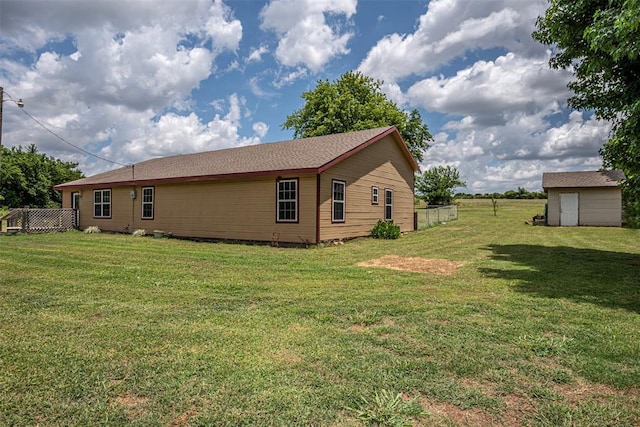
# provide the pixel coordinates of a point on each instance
(281, 202)
(146, 202)
(335, 202)
(388, 204)
(101, 203)
(374, 195)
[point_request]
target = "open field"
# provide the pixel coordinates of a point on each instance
(515, 325)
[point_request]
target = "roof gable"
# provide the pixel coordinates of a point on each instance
(582, 179)
(305, 155)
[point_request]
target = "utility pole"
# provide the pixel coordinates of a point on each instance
(1, 103)
(19, 103)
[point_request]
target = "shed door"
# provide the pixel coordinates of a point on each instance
(569, 209)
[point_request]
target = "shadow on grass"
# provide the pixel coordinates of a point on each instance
(606, 278)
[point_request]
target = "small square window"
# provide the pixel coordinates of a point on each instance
(102, 203)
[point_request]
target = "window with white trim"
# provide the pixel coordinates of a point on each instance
(102, 203)
(287, 200)
(338, 201)
(388, 204)
(147, 202)
(374, 195)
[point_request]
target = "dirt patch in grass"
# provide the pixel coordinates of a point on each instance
(441, 412)
(416, 265)
(184, 418)
(130, 401)
(133, 405)
(581, 391)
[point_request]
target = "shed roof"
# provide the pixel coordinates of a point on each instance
(305, 155)
(583, 179)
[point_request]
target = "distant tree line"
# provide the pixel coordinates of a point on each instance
(520, 193)
(27, 178)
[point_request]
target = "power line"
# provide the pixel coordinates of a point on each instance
(64, 140)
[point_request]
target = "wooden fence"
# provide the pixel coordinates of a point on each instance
(40, 220)
(425, 218)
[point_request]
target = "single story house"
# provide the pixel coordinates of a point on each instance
(302, 191)
(584, 198)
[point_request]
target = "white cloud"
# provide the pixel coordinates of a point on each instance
(30, 24)
(576, 138)
(505, 116)
(305, 36)
(140, 138)
(225, 31)
(493, 91)
(256, 54)
(506, 123)
(497, 158)
(260, 129)
(290, 77)
(133, 66)
(254, 85)
(448, 29)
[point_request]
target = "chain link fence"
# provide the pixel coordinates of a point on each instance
(425, 218)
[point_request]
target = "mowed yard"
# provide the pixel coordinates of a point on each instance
(510, 325)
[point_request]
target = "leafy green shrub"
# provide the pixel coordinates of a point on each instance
(92, 229)
(385, 230)
(632, 214)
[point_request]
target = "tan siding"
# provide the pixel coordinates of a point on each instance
(601, 207)
(383, 165)
(236, 210)
(121, 209)
(597, 206)
(553, 207)
(66, 198)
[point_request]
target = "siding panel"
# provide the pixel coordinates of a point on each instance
(382, 164)
(597, 206)
(234, 210)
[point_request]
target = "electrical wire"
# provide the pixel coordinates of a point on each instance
(64, 140)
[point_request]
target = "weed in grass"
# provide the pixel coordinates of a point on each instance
(544, 393)
(545, 346)
(365, 318)
(553, 415)
(388, 409)
(585, 415)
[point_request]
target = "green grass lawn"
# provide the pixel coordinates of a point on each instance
(540, 327)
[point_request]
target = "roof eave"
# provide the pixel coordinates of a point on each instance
(186, 179)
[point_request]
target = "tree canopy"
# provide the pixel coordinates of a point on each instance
(598, 41)
(436, 185)
(356, 102)
(27, 177)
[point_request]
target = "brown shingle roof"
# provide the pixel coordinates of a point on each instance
(305, 155)
(582, 179)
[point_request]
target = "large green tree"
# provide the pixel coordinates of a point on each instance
(356, 102)
(27, 177)
(435, 186)
(599, 40)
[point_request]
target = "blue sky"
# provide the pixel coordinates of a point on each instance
(131, 80)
